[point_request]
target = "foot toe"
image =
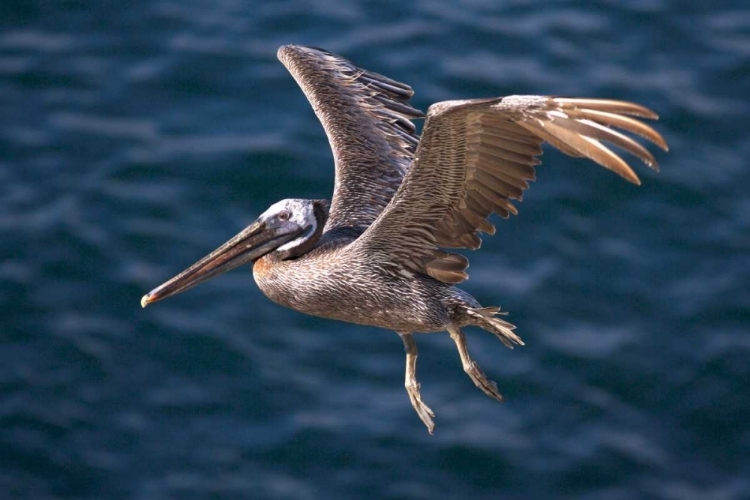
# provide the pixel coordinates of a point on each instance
(487, 386)
(424, 412)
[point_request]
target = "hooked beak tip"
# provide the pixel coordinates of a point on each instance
(146, 300)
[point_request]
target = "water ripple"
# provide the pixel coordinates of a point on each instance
(138, 137)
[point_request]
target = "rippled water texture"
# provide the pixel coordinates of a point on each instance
(137, 136)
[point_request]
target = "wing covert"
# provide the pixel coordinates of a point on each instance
(475, 157)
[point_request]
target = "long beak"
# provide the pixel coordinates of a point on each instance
(249, 245)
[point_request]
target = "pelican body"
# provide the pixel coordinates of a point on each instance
(379, 253)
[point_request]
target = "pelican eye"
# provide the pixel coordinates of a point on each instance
(284, 216)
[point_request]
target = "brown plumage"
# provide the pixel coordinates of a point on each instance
(382, 254)
(367, 118)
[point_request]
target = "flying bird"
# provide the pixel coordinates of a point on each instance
(382, 252)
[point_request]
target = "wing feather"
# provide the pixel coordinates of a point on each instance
(367, 118)
(474, 157)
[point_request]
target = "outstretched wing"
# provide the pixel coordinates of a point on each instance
(366, 117)
(475, 157)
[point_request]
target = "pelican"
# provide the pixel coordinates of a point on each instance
(382, 252)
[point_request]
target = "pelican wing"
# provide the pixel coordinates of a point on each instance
(366, 117)
(475, 157)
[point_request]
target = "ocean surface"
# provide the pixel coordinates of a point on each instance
(138, 136)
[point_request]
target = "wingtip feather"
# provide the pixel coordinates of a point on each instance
(608, 105)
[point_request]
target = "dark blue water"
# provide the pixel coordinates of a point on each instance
(137, 136)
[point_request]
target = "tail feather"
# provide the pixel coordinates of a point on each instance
(484, 317)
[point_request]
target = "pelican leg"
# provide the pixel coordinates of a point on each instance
(411, 384)
(471, 367)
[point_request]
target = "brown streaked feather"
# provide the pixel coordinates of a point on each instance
(366, 117)
(476, 156)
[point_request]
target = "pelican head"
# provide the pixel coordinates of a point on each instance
(288, 229)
